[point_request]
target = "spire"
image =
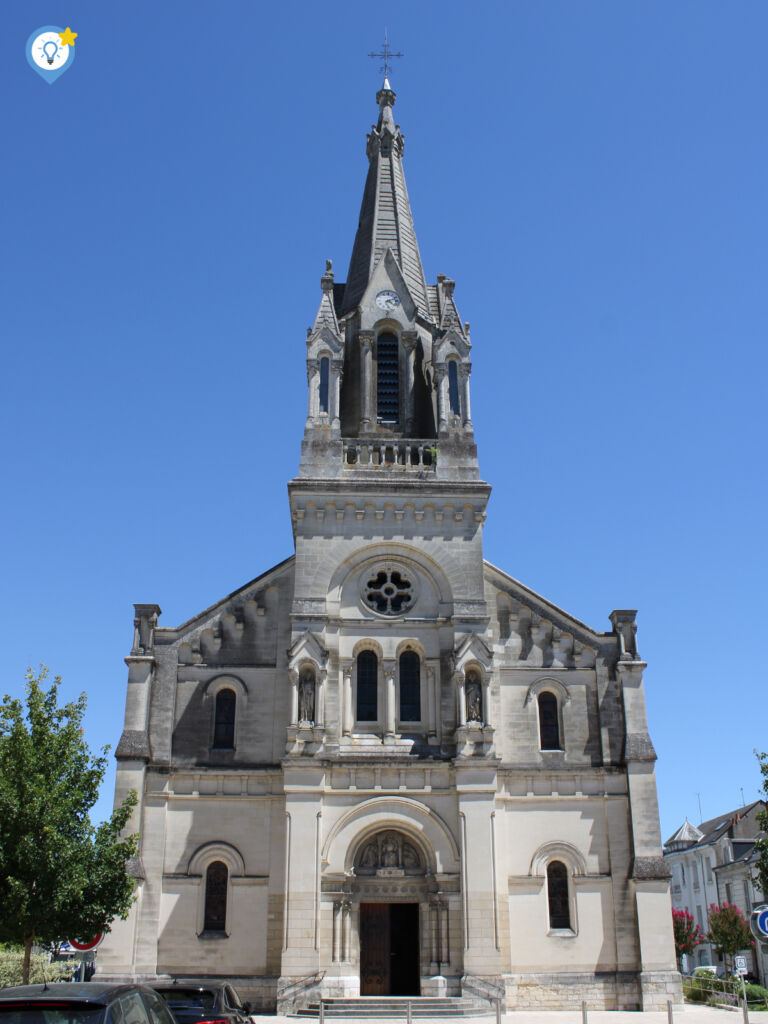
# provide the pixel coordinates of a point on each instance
(386, 221)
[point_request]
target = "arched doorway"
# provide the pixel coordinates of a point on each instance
(390, 884)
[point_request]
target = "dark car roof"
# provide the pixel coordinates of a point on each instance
(181, 983)
(72, 992)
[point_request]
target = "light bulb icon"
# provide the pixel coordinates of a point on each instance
(50, 51)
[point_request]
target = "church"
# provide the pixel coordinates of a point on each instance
(384, 766)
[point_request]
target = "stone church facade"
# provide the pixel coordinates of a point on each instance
(385, 766)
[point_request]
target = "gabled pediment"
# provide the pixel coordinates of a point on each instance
(306, 647)
(387, 276)
(453, 341)
(324, 339)
(472, 649)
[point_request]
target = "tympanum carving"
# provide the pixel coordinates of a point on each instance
(388, 855)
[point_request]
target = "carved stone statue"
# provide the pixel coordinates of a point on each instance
(370, 856)
(307, 697)
(474, 698)
(410, 857)
(389, 852)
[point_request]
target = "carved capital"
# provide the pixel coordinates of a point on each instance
(366, 340)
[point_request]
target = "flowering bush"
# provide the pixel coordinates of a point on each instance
(687, 934)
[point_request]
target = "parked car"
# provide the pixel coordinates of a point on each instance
(83, 1003)
(204, 1002)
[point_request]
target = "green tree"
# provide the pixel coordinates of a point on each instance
(686, 931)
(761, 867)
(728, 931)
(60, 877)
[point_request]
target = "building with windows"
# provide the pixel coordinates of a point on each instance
(385, 766)
(712, 864)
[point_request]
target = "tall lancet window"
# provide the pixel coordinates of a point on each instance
(453, 387)
(410, 688)
(367, 686)
(224, 721)
(387, 379)
(324, 376)
(216, 897)
(557, 895)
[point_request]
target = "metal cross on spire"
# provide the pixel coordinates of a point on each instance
(386, 55)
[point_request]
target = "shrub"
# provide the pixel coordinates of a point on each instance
(756, 993)
(12, 968)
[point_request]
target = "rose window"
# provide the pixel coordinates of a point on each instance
(389, 592)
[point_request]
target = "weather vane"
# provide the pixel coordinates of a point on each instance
(386, 55)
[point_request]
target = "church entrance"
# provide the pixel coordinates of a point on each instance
(389, 949)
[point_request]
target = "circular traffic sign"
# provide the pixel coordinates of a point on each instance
(758, 922)
(84, 947)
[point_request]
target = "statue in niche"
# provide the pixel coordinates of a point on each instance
(474, 698)
(389, 852)
(307, 696)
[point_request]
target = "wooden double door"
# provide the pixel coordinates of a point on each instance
(389, 949)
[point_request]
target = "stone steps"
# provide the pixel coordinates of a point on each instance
(395, 1007)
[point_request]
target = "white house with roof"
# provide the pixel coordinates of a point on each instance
(709, 866)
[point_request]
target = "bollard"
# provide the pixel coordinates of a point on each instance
(584, 1011)
(669, 1011)
(408, 1010)
(498, 1011)
(321, 1013)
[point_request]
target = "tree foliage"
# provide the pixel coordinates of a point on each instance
(761, 867)
(728, 931)
(687, 934)
(60, 877)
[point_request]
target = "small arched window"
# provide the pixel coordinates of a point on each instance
(325, 372)
(453, 387)
(367, 686)
(216, 877)
(387, 379)
(410, 687)
(557, 895)
(549, 726)
(224, 720)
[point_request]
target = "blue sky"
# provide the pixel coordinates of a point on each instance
(592, 174)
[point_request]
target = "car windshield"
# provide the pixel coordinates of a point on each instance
(192, 997)
(51, 1013)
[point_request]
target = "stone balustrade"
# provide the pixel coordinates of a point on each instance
(394, 456)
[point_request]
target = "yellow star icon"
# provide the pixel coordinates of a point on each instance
(67, 37)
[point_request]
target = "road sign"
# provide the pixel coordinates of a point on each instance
(740, 964)
(758, 922)
(84, 947)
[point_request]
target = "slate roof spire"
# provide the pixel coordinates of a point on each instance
(386, 221)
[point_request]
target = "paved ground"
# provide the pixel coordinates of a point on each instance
(688, 1014)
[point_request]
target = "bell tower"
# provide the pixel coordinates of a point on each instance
(388, 358)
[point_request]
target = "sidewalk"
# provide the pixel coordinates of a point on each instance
(690, 1013)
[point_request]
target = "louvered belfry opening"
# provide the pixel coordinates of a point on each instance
(387, 379)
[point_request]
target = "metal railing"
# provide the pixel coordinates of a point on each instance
(300, 987)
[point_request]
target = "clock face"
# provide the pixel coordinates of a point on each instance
(388, 300)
